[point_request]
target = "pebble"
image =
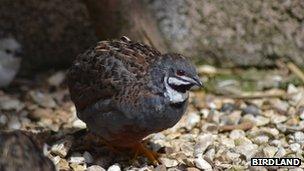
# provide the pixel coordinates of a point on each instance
(79, 124)
(40, 113)
(269, 151)
(56, 159)
(237, 133)
(203, 142)
(231, 119)
(192, 169)
(257, 168)
(278, 118)
(302, 115)
(291, 89)
(77, 159)
(187, 148)
(207, 69)
(262, 139)
(281, 106)
(88, 157)
(63, 146)
(276, 143)
(14, 123)
(270, 131)
(246, 147)
(249, 118)
(231, 156)
(296, 169)
(95, 168)
(210, 154)
(192, 119)
(202, 164)
(43, 99)
(227, 142)
(228, 107)
(3, 119)
(261, 120)
(78, 167)
(8, 103)
(295, 147)
(281, 152)
(63, 164)
(56, 79)
(168, 162)
(299, 137)
(160, 168)
(252, 109)
(115, 167)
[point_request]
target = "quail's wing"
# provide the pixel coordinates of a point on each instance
(104, 71)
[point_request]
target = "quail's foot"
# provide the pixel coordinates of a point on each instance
(152, 156)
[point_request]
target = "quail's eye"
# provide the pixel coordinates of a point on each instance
(180, 72)
(8, 51)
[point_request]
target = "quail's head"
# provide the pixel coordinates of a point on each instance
(179, 76)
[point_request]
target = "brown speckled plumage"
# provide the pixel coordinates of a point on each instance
(108, 57)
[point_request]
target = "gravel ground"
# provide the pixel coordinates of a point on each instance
(221, 129)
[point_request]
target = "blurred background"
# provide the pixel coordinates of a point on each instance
(223, 33)
(250, 54)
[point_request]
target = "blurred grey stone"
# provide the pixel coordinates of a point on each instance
(10, 59)
(168, 162)
(262, 139)
(62, 146)
(115, 167)
(228, 107)
(43, 99)
(203, 142)
(95, 168)
(202, 164)
(295, 147)
(270, 151)
(299, 137)
(88, 157)
(251, 109)
(237, 134)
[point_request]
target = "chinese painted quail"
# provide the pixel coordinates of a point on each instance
(124, 90)
(19, 152)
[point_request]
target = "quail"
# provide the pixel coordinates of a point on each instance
(125, 90)
(20, 152)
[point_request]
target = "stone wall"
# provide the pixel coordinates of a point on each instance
(233, 32)
(51, 32)
(221, 32)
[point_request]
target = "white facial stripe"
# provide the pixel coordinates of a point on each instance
(188, 79)
(175, 81)
(174, 96)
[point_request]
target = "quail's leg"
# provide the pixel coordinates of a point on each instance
(151, 155)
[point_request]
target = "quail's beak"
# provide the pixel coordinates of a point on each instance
(197, 81)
